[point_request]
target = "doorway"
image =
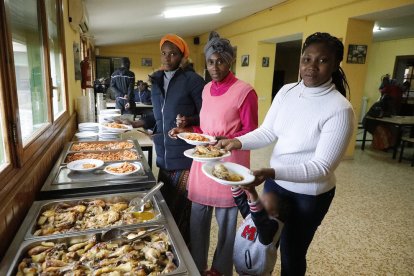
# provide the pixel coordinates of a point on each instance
(286, 68)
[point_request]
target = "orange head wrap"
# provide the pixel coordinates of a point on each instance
(177, 41)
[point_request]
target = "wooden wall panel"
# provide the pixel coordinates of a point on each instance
(14, 205)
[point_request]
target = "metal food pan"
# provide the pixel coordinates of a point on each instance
(139, 156)
(24, 247)
(71, 144)
(41, 206)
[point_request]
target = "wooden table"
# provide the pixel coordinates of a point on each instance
(397, 121)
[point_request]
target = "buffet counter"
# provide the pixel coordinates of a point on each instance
(63, 232)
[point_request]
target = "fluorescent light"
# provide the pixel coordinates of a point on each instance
(183, 12)
(377, 29)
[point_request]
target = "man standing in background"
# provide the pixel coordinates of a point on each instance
(122, 82)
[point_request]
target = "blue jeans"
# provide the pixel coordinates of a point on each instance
(305, 214)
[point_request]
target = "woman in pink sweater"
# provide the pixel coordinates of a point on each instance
(229, 110)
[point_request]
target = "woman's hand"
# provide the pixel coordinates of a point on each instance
(260, 176)
(173, 132)
(229, 144)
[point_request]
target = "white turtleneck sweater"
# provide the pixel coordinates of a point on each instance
(312, 127)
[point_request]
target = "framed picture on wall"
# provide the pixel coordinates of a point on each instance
(265, 61)
(147, 62)
(357, 54)
(245, 60)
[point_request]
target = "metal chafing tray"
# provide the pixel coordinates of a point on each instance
(19, 246)
(26, 245)
(104, 143)
(60, 184)
(41, 206)
(69, 153)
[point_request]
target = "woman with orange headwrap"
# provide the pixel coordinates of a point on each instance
(176, 92)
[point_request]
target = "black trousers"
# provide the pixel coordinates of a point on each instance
(305, 214)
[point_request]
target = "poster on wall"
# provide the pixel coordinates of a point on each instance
(265, 62)
(357, 54)
(245, 60)
(147, 62)
(76, 60)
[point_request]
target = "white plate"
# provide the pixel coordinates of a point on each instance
(88, 125)
(78, 165)
(86, 134)
(110, 111)
(137, 167)
(116, 130)
(189, 153)
(248, 178)
(184, 135)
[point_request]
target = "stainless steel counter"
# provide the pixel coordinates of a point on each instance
(62, 183)
(21, 243)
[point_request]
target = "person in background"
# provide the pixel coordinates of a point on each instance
(176, 90)
(229, 110)
(311, 142)
(142, 93)
(257, 239)
(122, 83)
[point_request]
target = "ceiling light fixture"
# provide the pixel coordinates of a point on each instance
(184, 12)
(377, 29)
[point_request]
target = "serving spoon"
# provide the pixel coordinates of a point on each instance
(139, 202)
(120, 234)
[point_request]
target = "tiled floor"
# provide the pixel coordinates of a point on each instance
(369, 229)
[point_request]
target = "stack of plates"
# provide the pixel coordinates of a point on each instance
(109, 136)
(89, 126)
(87, 136)
(82, 109)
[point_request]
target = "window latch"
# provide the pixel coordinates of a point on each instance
(14, 132)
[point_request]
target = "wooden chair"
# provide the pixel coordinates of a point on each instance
(404, 141)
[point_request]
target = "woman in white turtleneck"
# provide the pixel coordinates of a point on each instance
(312, 122)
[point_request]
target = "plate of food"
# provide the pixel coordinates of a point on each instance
(206, 153)
(197, 139)
(228, 173)
(85, 165)
(124, 168)
(115, 127)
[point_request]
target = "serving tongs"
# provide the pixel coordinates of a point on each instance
(119, 234)
(138, 203)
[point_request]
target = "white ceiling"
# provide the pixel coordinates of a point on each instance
(125, 21)
(395, 23)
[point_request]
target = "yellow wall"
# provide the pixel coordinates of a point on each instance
(74, 86)
(291, 17)
(381, 61)
(137, 51)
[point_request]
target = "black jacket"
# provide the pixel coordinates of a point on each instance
(122, 82)
(183, 96)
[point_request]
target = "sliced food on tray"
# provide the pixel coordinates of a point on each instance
(151, 255)
(104, 156)
(86, 215)
(116, 125)
(95, 146)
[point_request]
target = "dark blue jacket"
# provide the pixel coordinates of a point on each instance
(183, 96)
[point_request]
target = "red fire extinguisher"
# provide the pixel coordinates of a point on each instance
(86, 70)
